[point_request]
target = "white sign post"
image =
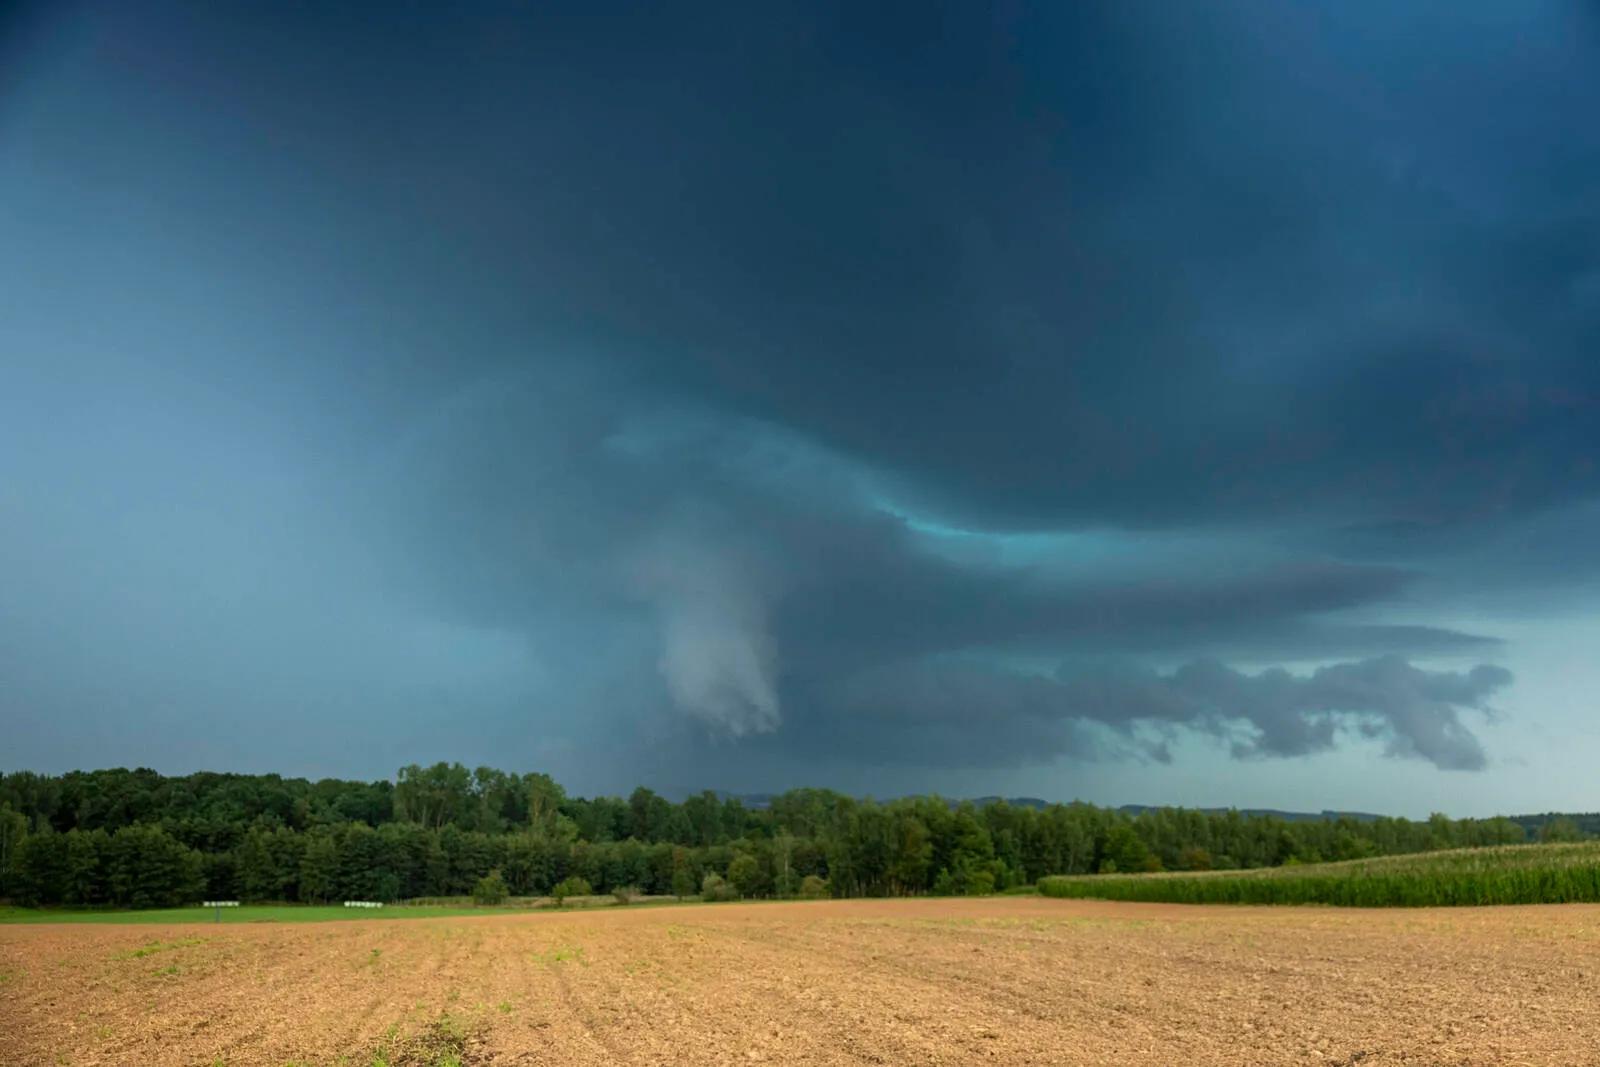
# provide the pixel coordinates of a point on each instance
(219, 905)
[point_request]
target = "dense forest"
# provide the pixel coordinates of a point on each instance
(140, 839)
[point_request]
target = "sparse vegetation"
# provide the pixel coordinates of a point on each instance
(153, 947)
(559, 954)
(677, 985)
(443, 1043)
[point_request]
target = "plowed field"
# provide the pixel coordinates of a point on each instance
(1000, 980)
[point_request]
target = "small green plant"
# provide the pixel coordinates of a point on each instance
(559, 954)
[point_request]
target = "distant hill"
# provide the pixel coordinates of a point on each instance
(1136, 809)
(761, 801)
(1015, 802)
(1287, 816)
(1587, 822)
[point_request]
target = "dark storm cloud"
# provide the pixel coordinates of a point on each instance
(1034, 717)
(841, 377)
(1095, 266)
(782, 592)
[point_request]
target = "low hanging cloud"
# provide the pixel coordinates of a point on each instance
(1416, 713)
(718, 657)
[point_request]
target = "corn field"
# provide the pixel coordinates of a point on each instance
(1514, 874)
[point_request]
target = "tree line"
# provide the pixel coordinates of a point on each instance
(135, 838)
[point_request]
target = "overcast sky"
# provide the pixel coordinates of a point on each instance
(1163, 403)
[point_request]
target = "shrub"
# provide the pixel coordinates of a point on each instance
(570, 887)
(626, 894)
(682, 883)
(715, 887)
(491, 889)
(813, 888)
(979, 883)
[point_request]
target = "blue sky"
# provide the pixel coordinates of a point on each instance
(1136, 403)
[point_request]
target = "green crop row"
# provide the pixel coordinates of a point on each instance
(1523, 874)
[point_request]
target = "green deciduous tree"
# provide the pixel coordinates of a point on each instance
(13, 828)
(319, 870)
(746, 876)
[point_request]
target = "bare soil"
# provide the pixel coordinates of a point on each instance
(1001, 980)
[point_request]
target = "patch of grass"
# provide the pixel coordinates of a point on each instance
(559, 954)
(250, 913)
(447, 907)
(153, 947)
(1509, 874)
(443, 1043)
(504, 1007)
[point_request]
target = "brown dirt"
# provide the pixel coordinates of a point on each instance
(1001, 980)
